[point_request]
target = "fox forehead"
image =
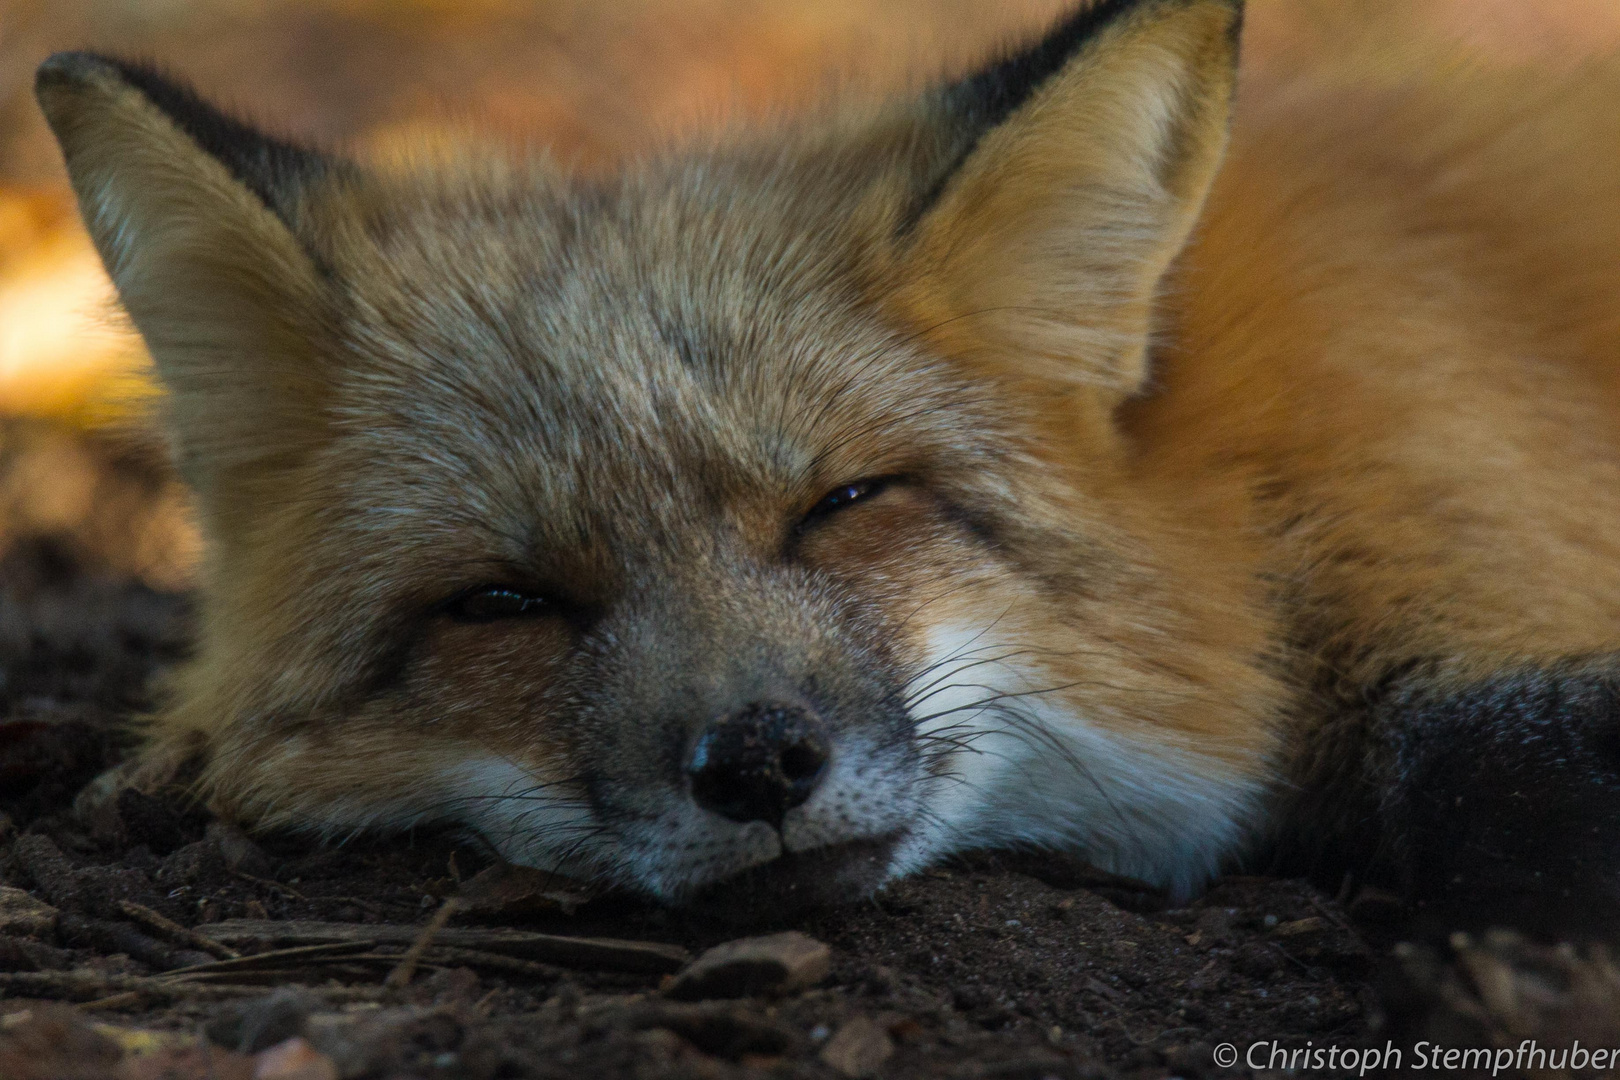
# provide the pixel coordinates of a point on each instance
(612, 354)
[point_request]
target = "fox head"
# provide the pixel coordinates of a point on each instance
(752, 526)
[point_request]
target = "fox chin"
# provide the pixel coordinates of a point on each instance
(1083, 454)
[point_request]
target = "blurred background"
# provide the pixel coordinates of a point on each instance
(596, 80)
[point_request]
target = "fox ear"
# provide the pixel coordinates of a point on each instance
(195, 216)
(1068, 177)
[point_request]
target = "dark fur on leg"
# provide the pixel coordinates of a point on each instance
(1485, 803)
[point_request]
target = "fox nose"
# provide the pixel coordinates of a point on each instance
(759, 762)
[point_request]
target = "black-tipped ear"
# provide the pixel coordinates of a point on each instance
(1061, 181)
(978, 102)
(197, 218)
(274, 170)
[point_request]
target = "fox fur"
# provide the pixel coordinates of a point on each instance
(1101, 452)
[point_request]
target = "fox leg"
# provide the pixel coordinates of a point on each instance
(1490, 801)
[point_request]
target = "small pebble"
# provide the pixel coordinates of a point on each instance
(22, 915)
(294, 1059)
(859, 1049)
(776, 963)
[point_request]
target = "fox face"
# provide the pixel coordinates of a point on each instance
(746, 529)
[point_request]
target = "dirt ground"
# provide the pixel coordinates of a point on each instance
(136, 934)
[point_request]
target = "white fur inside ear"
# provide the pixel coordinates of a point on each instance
(221, 290)
(1017, 766)
(1044, 252)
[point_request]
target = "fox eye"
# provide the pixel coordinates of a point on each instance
(839, 497)
(490, 604)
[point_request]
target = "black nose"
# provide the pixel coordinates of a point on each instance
(758, 763)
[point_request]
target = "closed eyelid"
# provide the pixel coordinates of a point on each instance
(844, 495)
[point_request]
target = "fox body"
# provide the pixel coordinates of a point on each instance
(1065, 457)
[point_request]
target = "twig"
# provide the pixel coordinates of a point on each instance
(1333, 917)
(298, 955)
(267, 883)
(1120, 1023)
(438, 956)
(90, 987)
(112, 936)
(1290, 957)
(174, 932)
(450, 956)
(364, 905)
(322, 968)
(116, 1001)
(400, 977)
(581, 953)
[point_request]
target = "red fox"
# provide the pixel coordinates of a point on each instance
(1085, 454)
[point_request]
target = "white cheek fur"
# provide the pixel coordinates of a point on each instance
(1018, 767)
(528, 821)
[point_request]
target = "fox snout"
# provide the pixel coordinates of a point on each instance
(739, 721)
(759, 762)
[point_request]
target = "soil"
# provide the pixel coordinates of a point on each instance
(1005, 965)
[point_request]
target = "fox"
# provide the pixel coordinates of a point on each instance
(1098, 453)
